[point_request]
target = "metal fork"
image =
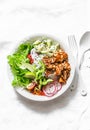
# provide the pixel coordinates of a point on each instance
(74, 48)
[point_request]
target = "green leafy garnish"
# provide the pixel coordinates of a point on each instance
(15, 61)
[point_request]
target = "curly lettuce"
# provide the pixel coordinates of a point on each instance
(15, 60)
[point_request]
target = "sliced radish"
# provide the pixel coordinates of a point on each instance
(50, 89)
(58, 85)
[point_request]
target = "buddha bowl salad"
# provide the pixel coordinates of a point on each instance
(40, 66)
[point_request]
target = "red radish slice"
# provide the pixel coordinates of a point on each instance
(50, 89)
(58, 85)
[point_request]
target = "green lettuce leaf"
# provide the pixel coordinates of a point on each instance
(15, 60)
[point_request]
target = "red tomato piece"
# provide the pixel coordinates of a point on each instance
(30, 58)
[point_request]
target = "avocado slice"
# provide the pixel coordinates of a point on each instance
(27, 66)
(30, 75)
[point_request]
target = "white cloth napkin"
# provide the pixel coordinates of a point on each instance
(20, 19)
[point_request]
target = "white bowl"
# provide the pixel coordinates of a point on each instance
(29, 95)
